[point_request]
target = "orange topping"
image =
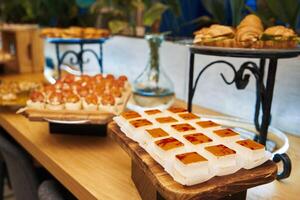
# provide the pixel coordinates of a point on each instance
(49, 89)
(69, 78)
(110, 77)
(108, 100)
(56, 98)
(58, 85)
(163, 120)
(157, 132)
(85, 78)
(83, 92)
(91, 99)
(197, 138)
(152, 112)
(188, 116)
(191, 157)
(123, 78)
(72, 98)
(37, 97)
(220, 150)
(207, 124)
(183, 127)
(130, 115)
(116, 92)
(98, 78)
(140, 123)
(177, 109)
(225, 132)
(250, 144)
(168, 143)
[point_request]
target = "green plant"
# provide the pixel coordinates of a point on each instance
(219, 12)
(122, 16)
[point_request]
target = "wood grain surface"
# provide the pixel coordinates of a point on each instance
(97, 168)
(214, 188)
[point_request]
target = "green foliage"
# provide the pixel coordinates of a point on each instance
(114, 13)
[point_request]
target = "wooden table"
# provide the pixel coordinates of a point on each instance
(97, 168)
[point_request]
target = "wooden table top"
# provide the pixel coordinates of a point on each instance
(97, 168)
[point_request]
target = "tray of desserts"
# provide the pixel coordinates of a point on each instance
(16, 93)
(189, 149)
(250, 33)
(74, 34)
(85, 99)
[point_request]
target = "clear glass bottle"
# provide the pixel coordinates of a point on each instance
(153, 87)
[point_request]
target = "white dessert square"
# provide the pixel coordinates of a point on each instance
(223, 159)
(225, 135)
(191, 168)
(250, 153)
(182, 128)
(197, 140)
(164, 150)
(188, 116)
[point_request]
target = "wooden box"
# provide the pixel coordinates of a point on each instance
(26, 46)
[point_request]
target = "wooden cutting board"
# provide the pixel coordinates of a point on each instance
(217, 187)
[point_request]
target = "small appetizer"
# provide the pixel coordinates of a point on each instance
(154, 134)
(279, 37)
(225, 135)
(140, 123)
(223, 159)
(69, 79)
(55, 101)
(188, 116)
(183, 128)
(176, 110)
(48, 90)
(107, 103)
(90, 102)
(215, 35)
(164, 150)
(152, 112)
(251, 153)
(117, 94)
(166, 120)
(98, 78)
(36, 100)
(198, 140)
(83, 91)
(72, 102)
(191, 168)
(130, 115)
(207, 124)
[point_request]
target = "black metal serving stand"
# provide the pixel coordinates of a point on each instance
(77, 55)
(264, 89)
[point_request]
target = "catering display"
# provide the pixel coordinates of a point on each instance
(95, 99)
(75, 32)
(191, 150)
(16, 93)
(250, 33)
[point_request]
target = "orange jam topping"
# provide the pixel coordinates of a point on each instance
(220, 150)
(183, 127)
(168, 143)
(197, 138)
(157, 132)
(152, 112)
(177, 109)
(191, 157)
(130, 115)
(140, 123)
(188, 116)
(207, 124)
(250, 144)
(225, 132)
(164, 120)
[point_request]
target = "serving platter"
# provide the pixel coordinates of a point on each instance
(153, 182)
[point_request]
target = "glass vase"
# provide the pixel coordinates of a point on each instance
(153, 88)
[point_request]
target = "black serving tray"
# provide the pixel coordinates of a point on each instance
(78, 129)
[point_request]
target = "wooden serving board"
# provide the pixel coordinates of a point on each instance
(147, 173)
(91, 117)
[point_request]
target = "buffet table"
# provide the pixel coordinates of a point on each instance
(97, 168)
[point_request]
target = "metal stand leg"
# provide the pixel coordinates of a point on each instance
(58, 59)
(101, 58)
(266, 117)
(191, 82)
(80, 58)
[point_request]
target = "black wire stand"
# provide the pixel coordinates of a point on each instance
(264, 89)
(77, 57)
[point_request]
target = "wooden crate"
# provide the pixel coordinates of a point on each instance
(26, 46)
